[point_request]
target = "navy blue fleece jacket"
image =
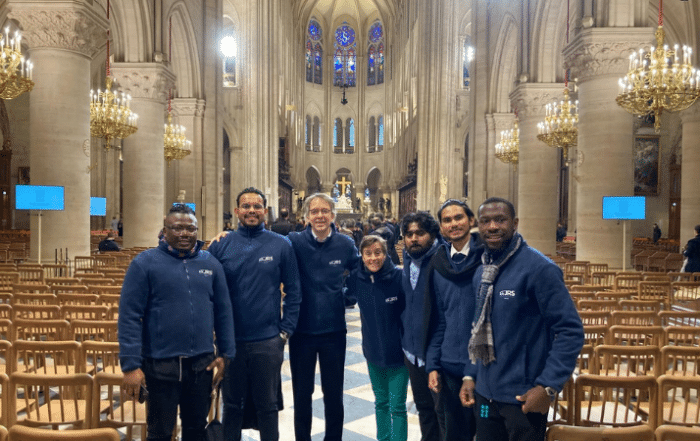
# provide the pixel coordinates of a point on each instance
(170, 305)
(381, 301)
(322, 265)
(256, 261)
(536, 330)
(451, 287)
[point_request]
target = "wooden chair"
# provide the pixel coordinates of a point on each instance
(685, 292)
(680, 360)
(640, 305)
(54, 270)
(603, 278)
(101, 261)
(113, 312)
(40, 330)
(117, 413)
(676, 433)
(657, 261)
(6, 363)
(577, 266)
(77, 299)
(597, 305)
(615, 295)
(33, 298)
(7, 280)
(584, 295)
(5, 311)
(679, 318)
(584, 361)
(594, 317)
(24, 433)
(677, 276)
(673, 262)
(100, 356)
(30, 274)
(627, 281)
(678, 400)
(594, 335)
(46, 357)
(5, 297)
(30, 287)
(597, 268)
(6, 330)
(57, 289)
(4, 385)
(601, 400)
(51, 400)
(109, 299)
(84, 312)
(99, 279)
(682, 336)
(51, 281)
(574, 433)
(626, 361)
(640, 260)
(653, 290)
(635, 318)
(35, 312)
(82, 264)
(97, 330)
(105, 289)
(639, 335)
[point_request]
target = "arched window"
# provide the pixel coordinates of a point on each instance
(372, 141)
(229, 49)
(317, 134)
(380, 129)
(314, 53)
(338, 136)
(307, 133)
(350, 136)
(375, 55)
(467, 57)
(344, 56)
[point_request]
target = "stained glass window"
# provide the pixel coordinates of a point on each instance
(351, 134)
(307, 132)
(375, 55)
(314, 53)
(380, 140)
(467, 57)
(344, 57)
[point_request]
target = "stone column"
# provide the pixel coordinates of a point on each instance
(181, 175)
(599, 57)
(144, 175)
(690, 198)
(502, 174)
(63, 37)
(538, 172)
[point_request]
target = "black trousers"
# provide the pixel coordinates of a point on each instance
(329, 349)
(257, 365)
(457, 422)
(506, 422)
(425, 402)
(178, 381)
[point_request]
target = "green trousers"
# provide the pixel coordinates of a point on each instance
(390, 386)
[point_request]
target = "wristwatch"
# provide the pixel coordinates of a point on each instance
(551, 392)
(284, 335)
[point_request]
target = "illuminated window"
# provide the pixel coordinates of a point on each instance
(314, 53)
(344, 57)
(375, 55)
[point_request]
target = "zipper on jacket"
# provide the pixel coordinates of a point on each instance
(371, 277)
(180, 359)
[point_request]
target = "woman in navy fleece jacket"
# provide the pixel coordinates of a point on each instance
(376, 286)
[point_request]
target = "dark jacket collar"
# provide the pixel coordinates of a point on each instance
(443, 263)
(163, 245)
(251, 231)
(386, 272)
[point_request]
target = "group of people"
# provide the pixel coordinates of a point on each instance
(480, 324)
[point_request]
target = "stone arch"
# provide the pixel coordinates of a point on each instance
(131, 23)
(313, 180)
(505, 66)
(185, 55)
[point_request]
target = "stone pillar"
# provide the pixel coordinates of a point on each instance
(598, 57)
(144, 175)
(63, 37)
(690, 198)
(502, 175)
(181, 175)
(538, 171)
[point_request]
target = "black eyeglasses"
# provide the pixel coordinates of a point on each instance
(181, 228)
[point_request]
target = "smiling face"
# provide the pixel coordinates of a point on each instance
(181, 231)
(251, 212)
(455, 225)
(496, 225)
(373, 257)
(320, 217)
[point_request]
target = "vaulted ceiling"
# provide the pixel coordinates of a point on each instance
(358, 9)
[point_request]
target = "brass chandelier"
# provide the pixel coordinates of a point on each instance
(175, 143)
(507, 150)
(110, 113)
(560, 126)
(659, 79)
(15, 71)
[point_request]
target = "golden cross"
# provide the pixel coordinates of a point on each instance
(344, 184)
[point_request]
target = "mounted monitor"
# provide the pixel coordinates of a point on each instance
(192, 205)
(98, 206)
(624, 207)
(39, 197)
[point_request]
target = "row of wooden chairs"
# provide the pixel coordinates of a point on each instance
(105, 311)
(641, 335)
(666, 293)
(629, 360)
(665, 432)
(69, 298)
(11, 281)
(598, 312)
(26, 433)
(56, 329)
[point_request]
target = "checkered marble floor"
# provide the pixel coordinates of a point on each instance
(360, 424)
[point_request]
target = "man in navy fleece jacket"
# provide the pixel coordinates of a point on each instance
(172, 298)
(324, 256)
(256, 261)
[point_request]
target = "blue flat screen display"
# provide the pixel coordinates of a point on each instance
(192, 205)
(624, 207)
(39, 197)
(98, 206)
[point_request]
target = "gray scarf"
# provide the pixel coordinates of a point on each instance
(481, 341)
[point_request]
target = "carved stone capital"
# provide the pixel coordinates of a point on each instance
(66, 25)
(530, 99)
(597, 52)
(189, 106)
(144, 80)
(691, 114)
(502, 121)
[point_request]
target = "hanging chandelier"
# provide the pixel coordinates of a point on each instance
(175, 143)
(507, 150)
(560, 126)
(110, 113)
(659, 79)
(15, 71)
